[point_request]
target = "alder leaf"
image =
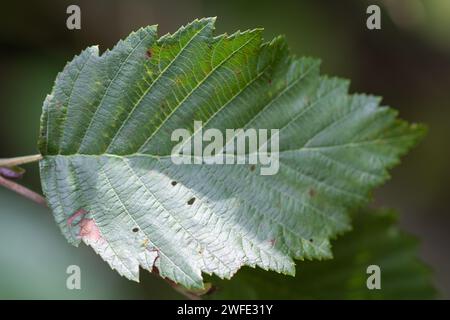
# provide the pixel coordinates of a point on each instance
(109, 179)
(376, 240)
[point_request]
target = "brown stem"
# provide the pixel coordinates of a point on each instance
(23, 191)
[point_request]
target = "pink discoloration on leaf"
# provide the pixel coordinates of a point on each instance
(77, 214)
(89, 230)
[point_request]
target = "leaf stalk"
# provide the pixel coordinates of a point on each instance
(17, 161)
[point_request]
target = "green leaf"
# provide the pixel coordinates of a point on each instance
(109, 179)
(376, 240)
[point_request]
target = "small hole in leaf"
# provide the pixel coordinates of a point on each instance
(135, 229)
(252, 167)
(311, 240)
(191, 201)
(174, 183)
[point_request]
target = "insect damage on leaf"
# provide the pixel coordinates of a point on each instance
(89, 230)
(106, 142)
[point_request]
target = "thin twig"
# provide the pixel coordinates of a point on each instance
(19, 160)
(23, 191)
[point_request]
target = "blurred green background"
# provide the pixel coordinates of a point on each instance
(407, 62)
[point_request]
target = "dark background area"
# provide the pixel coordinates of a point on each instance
(407, 62)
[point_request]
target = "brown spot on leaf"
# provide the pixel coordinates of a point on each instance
(191, 201)
(312, 192)
(307, 100)
(174, 183)
(149, 53)
(252, 167)
(135, 229)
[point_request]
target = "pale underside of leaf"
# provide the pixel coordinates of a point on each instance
(108, 177)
